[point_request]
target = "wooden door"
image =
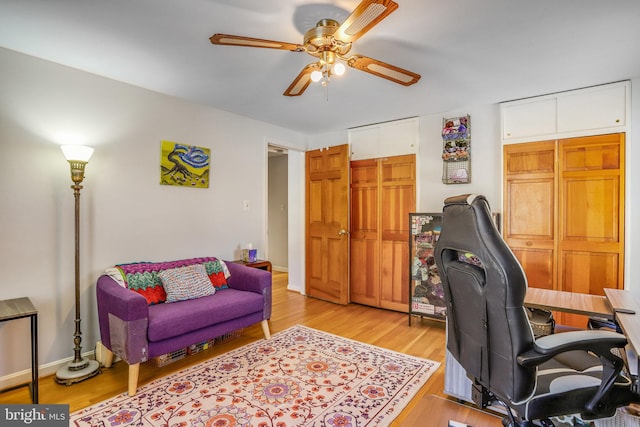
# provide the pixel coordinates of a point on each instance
(365, 242)
(382, 195)
(327, 222)
(398, 199)
(591, 213)
(530, 209)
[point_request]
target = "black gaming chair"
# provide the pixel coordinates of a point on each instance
(490, 336)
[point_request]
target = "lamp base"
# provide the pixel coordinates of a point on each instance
(71, 373)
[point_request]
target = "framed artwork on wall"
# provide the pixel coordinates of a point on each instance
(184, 165)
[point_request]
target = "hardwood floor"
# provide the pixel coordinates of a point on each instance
(383, 328)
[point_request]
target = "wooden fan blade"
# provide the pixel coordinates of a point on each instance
(229, 40)
(365, 16)
(302, 81)
(384, 70)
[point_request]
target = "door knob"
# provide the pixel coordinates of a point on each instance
(342, 232)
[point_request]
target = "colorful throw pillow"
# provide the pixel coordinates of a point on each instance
(185, 283)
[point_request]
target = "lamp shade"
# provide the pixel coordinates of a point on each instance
(80, 153)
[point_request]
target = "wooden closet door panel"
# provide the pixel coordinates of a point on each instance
(538, 266)
(365, 248)
(365, 278)
(394, 275)
(589, 272)
(591, 213)
(590, 209)
(530, 209)
(398, 198)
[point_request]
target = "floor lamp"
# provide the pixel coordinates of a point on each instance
(79, 368)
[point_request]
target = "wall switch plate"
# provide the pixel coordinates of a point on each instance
(245, 205)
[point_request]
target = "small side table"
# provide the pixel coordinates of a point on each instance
(259, 263)
(19, 308)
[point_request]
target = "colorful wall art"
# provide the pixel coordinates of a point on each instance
(184, 165)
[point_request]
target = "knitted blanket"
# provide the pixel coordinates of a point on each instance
(142, 277)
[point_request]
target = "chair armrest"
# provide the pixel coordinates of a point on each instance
(545, 348)
(252, 280)
(124, 318)
(597, 342)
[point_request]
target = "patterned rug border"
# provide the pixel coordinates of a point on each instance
(383, 418)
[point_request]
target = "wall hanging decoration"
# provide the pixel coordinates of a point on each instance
(184, 165)
(456, 150)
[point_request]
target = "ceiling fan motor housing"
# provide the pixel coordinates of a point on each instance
(320, 39)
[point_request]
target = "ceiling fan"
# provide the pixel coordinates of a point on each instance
(330, 41)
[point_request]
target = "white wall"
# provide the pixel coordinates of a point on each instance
(126, 215)
(632, 266)
(297, 206)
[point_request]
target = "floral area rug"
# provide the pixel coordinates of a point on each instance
(300, 377)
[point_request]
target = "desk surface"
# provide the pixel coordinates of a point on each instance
(569, 302)
(627, 309)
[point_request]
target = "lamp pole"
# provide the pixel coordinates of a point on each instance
(79, 368)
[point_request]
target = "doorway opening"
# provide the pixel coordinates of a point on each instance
(278, 207)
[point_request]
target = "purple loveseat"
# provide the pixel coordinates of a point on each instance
(135, 331)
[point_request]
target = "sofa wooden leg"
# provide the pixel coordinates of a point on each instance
(265, 329)
(134, 370)
(106, 355)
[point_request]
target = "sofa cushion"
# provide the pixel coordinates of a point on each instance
(170, 320)
(188, 282)
(142, 277)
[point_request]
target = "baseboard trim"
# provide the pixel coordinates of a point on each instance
(24, 377)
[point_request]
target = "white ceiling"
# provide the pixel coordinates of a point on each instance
(469, 52)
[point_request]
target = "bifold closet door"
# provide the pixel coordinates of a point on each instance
(382, 195)
(564, 213)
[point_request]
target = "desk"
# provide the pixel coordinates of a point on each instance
(569, 302)
(19, 308)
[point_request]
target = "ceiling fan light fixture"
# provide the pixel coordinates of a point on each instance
(316, 76)
(339, 69)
